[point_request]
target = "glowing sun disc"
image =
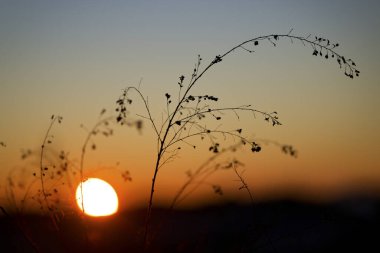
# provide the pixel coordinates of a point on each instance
(99, 198)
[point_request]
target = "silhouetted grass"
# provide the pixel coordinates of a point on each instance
(185, 115)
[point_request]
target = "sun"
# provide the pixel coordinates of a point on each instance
(99, 198)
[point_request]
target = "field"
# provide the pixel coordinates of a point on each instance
(349, 225)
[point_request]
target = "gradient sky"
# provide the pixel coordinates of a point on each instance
(73, 58)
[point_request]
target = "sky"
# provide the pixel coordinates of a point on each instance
(74, 58)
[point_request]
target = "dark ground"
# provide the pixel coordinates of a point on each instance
(350, 225)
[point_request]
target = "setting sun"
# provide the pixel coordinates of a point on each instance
(99, 198)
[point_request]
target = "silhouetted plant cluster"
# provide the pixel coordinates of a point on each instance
(185, 116)
(56, 172)
(21, 185)
(43, 185)
(103, 127)
(55, 169)
(43, 169)
(196, 178)
(323, 47)
(199, 176)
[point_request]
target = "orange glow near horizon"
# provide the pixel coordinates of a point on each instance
(99, 198)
